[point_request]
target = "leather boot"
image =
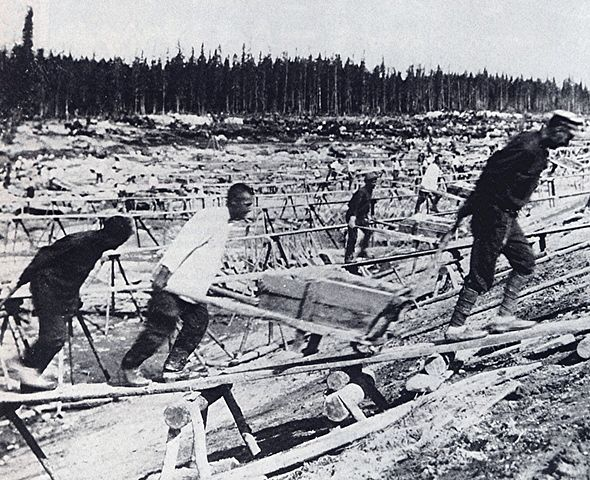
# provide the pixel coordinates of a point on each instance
(512, 290)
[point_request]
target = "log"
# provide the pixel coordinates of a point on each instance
(583, 348)
(538, 348)
(338, 406)
(436, 365)
(337, 379)
(79, 392)
(171, 454)
(424, 383)
(177, 415)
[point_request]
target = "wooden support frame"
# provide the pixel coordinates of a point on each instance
(9, 411)
(193, 410)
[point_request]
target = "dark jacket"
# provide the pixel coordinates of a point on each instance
(510, 175)
(360, 204)
(58, 271)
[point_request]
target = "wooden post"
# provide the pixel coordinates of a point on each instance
(171, 454)
(243, 427)
(177, 416)
(199, 440)
(11, 414)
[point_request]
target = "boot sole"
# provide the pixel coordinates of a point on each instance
(498, 330)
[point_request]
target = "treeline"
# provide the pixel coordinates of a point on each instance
(48, 85)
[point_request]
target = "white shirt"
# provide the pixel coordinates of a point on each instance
(431, 176)
(195, 255)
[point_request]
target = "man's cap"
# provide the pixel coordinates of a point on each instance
(371, 176)
(118, 227)
(564, 118)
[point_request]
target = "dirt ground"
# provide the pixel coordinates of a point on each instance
(541, 431)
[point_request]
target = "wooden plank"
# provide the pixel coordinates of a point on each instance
(78, 392)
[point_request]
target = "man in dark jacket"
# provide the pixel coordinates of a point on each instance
(358, 215)
(55, 275)
(506, 184)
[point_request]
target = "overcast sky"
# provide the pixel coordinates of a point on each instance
(539, 38)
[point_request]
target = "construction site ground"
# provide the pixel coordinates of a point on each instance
(540, 431)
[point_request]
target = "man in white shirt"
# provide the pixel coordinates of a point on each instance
(430, 181)
(183, 275)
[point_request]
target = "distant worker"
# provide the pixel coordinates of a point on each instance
(359, 215)
(56, 274)
(183, 275)
(505, 185)
(430, 183)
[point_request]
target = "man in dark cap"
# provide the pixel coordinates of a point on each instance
(505, 185)
(357, 215)
(56, 274)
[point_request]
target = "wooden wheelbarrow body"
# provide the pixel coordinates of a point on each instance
(345, 302)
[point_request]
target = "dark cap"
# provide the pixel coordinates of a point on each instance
(371, 176)
(563, 118)
(118, 227)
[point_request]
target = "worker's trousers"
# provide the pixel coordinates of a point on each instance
(165, 311)
(496, 232)
(53, 331)
(351, 239)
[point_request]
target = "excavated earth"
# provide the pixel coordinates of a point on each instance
(540, 431)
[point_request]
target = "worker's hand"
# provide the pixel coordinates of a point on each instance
(161, 278)
(352, 222)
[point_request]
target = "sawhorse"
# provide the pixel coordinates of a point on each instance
(192, 411)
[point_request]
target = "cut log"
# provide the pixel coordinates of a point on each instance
(583, 348)
(177, 415)
(436, 365)
(337, 379)
(338, 406)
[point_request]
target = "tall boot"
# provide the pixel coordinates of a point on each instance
(506, 321)
(465, 302)
(512, 290)
(457, 330)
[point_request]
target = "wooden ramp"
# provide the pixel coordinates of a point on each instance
(80, 392)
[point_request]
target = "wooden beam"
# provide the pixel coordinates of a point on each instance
(80, 392)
